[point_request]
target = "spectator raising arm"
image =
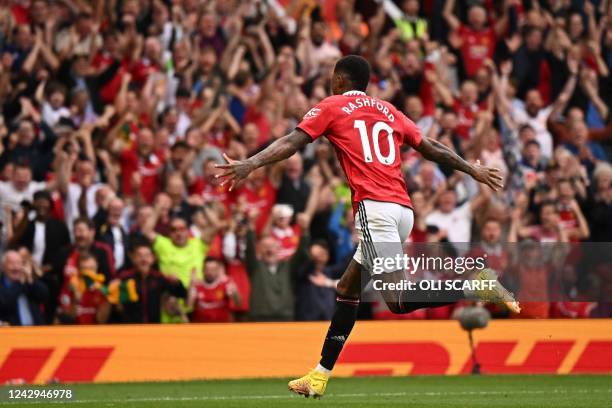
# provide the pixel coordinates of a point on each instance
(148, 228)
(208, 223)
(449, 15)
(568, 90)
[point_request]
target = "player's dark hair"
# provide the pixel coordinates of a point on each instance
(357, 69)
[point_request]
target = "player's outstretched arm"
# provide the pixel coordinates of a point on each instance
(281, 149)
(435, 151)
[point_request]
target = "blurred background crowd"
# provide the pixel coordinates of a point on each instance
(114, 113)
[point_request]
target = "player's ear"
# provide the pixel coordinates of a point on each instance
(338, 82)
(334, 83)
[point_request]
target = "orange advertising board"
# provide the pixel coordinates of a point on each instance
(222, 351)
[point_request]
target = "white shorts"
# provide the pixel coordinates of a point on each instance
(382, 228)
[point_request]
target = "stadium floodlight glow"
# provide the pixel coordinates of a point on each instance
(471, 318)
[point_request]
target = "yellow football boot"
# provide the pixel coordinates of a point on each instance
(312, 384)
(498, 294)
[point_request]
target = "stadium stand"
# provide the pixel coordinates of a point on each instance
(114, 114)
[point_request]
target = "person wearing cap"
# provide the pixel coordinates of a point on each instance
(286, 235)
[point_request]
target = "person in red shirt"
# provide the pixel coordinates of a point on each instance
(257, 196)
(209, 187)
(570, 215)
(466, 108)
(82, 299)
(367, 134)
(286, 235)
(476, 40)
(141, 167)
(213, 298)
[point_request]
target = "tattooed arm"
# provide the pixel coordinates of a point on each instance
(281, 149)
(435, 151)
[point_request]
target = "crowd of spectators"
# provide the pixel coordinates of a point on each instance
(115, 112)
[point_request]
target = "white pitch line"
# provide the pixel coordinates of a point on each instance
(291, 396)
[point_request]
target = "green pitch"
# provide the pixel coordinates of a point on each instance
(462, 391)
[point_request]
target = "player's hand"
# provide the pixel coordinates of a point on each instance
(490, 176)
(235, 171)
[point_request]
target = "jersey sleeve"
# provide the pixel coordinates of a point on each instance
(412, 133)
(317, 121)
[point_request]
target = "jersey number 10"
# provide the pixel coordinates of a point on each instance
(365, 142)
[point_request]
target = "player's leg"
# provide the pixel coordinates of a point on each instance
(407, 301)
(345, 314)
(388, 226)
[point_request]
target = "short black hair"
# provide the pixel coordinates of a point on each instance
(532, 142)
(180, 144)
(138, 243)
(42, 195)
(322, 243)
(84, 220)
(213, 259)
(357, 69)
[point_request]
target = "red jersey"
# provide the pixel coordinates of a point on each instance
(149, 170)
(213, 303)
(212, 191)
(367, 134)
(260, 198)
(86, 306)
(287, 239)
(110, 89)
(466, 117)
(476, 48)
(568, 220)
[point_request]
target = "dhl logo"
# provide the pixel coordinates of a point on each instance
(79, 364)
(545, 357)
(85, 364)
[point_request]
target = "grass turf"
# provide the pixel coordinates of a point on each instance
(516, 391)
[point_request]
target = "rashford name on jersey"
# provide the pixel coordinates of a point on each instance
(350, 107)
(367, 134)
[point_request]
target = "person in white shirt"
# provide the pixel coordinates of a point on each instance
(455, 221)
(53, 108)
(81, 195)
(20, 188)
(535, 115)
